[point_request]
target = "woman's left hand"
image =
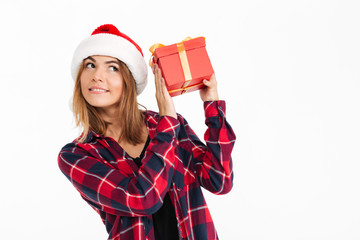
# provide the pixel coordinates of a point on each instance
(210, 92)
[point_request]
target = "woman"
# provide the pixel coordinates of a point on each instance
(140, 170)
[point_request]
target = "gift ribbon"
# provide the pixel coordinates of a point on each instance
(183, 60)
(152, 50)
(185, 89)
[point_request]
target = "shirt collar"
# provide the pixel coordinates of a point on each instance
(92, 134)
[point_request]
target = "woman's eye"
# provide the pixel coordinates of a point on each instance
(90, 65)
(112, 68)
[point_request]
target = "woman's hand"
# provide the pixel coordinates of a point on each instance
(210, 92)
(163, 98)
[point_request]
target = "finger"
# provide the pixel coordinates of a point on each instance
(211, 82)
(160, 78)
(206, 82)
(213, 79)
(155, 69)
(158, 70)
(163, 87)
(160, 84)
(157, 84)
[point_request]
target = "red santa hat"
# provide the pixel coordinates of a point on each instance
(107, 40)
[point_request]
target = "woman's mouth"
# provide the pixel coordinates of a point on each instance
(98, 90)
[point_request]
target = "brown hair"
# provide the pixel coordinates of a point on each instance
(132, 117)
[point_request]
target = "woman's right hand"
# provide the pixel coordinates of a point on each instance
(163, 98)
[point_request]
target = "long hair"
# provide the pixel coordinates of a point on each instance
(132, 118)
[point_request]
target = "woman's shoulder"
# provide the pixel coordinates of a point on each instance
(78, 144)
(75, 150)
(71, 146)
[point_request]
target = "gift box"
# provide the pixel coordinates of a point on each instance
(183, 65)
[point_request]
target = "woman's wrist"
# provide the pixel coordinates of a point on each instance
(212, 97)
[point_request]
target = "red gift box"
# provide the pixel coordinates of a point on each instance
(183, 65)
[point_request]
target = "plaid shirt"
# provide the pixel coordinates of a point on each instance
(175, 161)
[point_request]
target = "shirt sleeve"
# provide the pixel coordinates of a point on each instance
(213, 162)
(109, 190)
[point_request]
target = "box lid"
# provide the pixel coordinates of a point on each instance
(172, 49)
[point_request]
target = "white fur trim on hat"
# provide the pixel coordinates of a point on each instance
(107, 44)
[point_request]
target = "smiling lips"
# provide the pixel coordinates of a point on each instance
(98, 90)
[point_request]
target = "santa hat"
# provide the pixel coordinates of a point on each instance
(107, 40)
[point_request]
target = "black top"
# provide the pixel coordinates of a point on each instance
(165, 223)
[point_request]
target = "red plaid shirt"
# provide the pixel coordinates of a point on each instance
(175, 161)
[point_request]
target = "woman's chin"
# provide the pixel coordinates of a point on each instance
(103, 105)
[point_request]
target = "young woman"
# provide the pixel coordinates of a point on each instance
(142, 171)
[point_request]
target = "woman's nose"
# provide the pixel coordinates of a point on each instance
(98, 75)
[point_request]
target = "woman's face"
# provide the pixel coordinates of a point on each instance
(101, 81)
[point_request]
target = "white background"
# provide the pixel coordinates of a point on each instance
(289, 71)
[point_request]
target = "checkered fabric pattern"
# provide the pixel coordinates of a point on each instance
(175, 161)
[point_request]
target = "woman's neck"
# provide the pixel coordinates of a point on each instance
(111, 117)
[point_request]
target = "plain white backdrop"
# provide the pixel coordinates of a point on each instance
(289, 71)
